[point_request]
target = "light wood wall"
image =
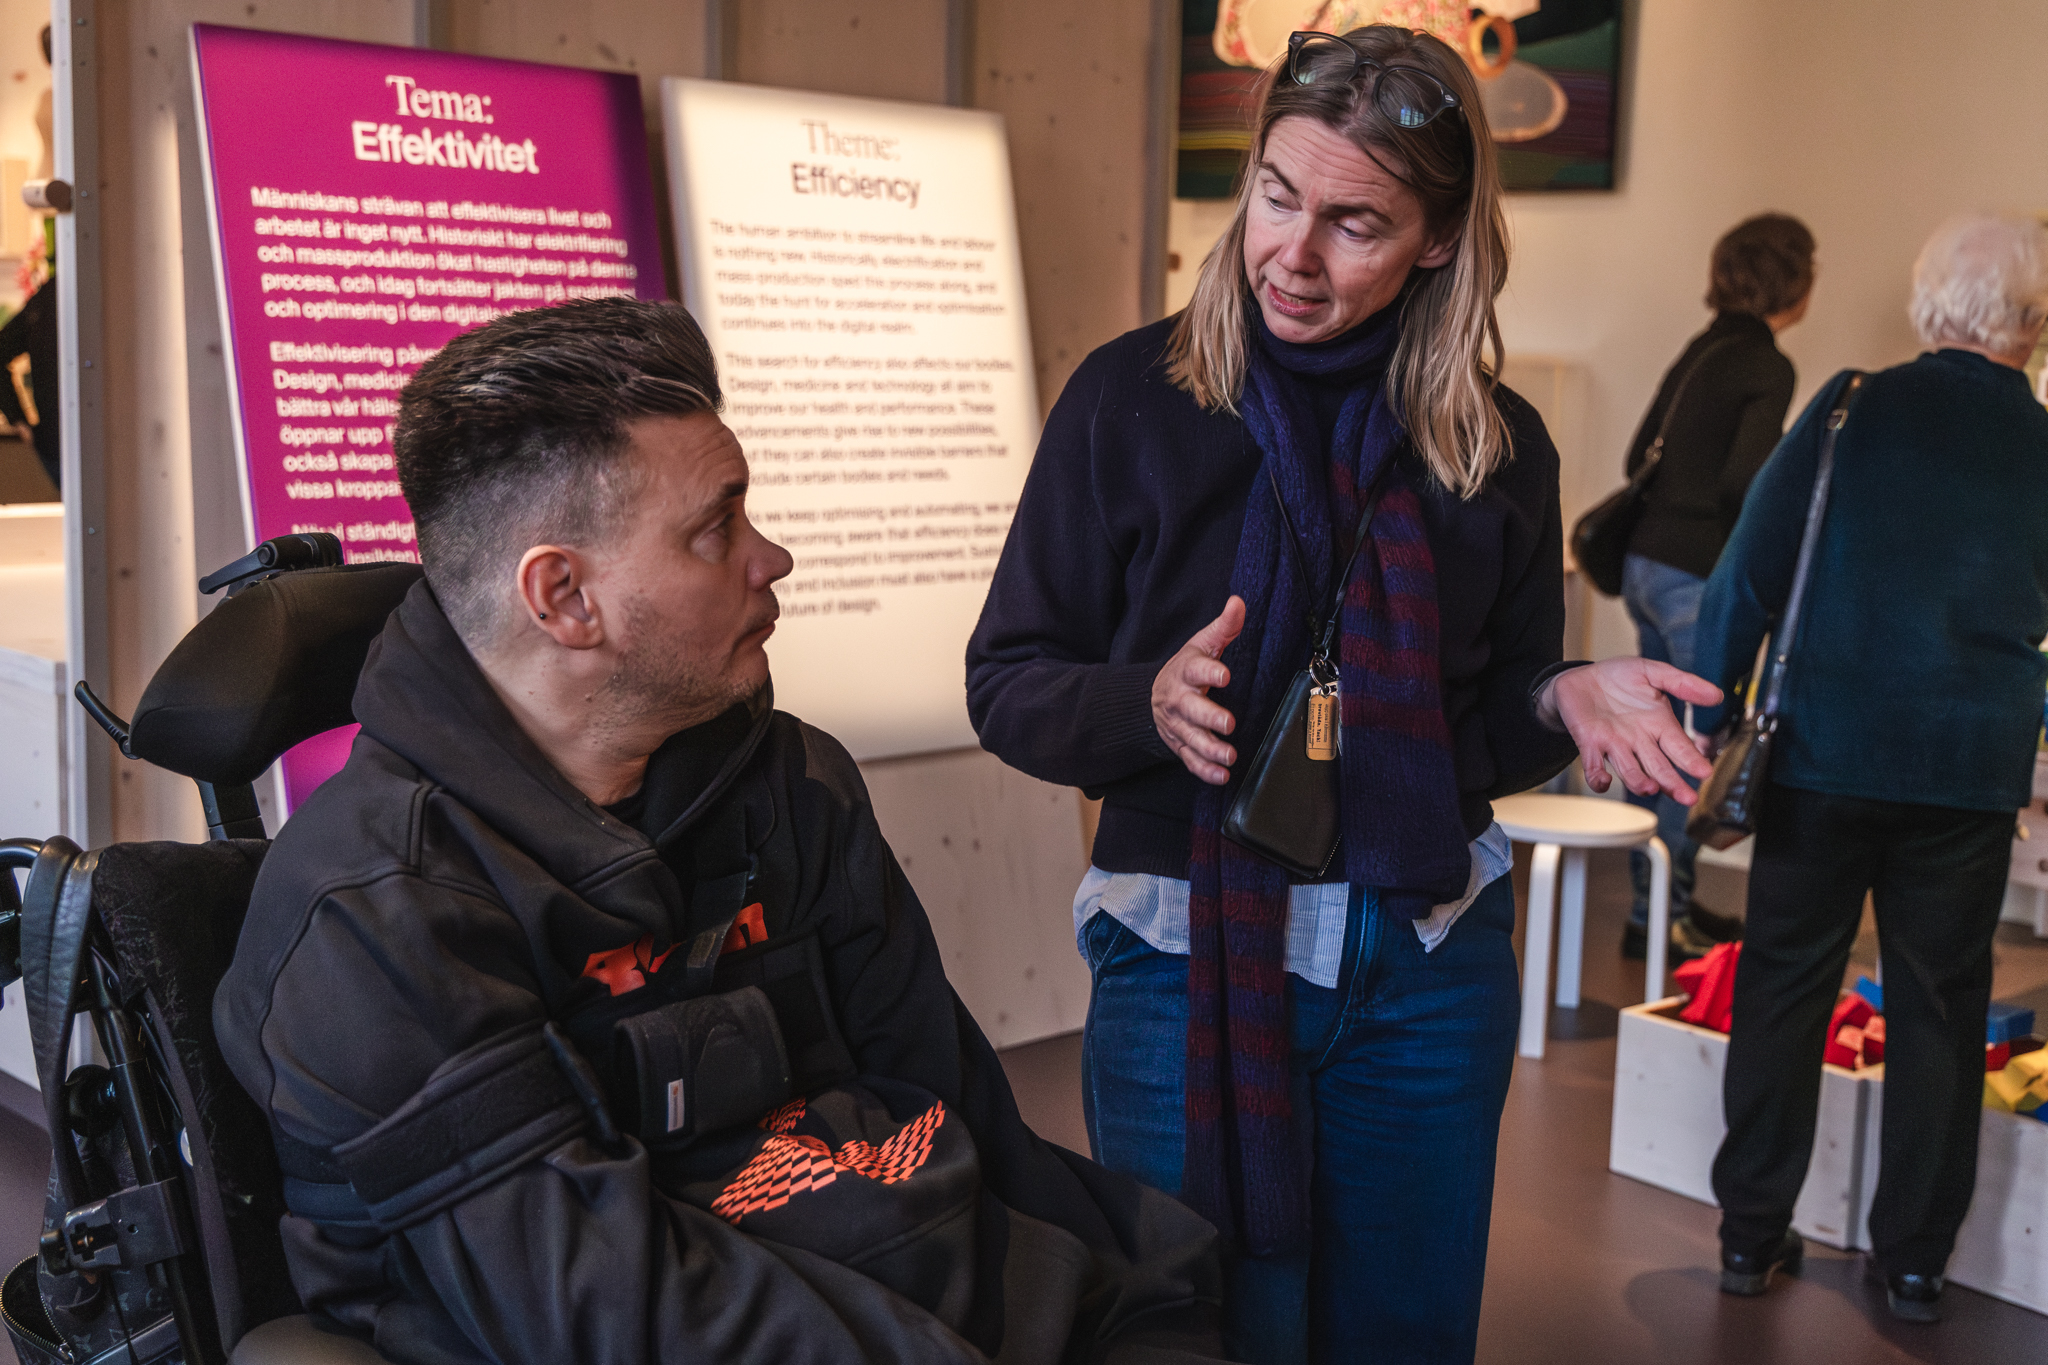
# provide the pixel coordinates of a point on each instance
(995, 855)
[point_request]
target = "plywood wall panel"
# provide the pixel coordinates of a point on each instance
(882, 49)
(653, 39)
(995, 857)
(1073, 81)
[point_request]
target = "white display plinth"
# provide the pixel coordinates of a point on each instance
(32, 699)
(2002, 1247)
(1668, 1123)
(2026, 887)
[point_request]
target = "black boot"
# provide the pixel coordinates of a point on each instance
(1687, 942)
(1714, 925)
(1912, 1298)
(1749, 1273)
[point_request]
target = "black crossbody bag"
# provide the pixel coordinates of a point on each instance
(1725, 812)
(1287, 810)
(1600, 538)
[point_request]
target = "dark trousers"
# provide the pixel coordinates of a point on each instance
(1936, 877)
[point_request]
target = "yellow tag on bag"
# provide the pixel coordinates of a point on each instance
(1322, 724)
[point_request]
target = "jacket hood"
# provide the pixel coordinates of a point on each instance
(423, 697)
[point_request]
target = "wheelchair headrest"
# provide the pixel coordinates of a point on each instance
(268, 668)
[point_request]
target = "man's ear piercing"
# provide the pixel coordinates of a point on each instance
(543, 616)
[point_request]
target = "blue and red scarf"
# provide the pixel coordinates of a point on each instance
(1246, 1169)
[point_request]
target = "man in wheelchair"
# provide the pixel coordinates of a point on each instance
(593, 1018)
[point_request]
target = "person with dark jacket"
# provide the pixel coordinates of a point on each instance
(1192, 536)
(594, 1020)
(1905, 745)
(32, 332)
(1720, 409)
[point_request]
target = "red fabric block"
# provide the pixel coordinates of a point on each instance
(1873, 1041)
(1713, 997)
(1845, 1049)
(1996, 1055)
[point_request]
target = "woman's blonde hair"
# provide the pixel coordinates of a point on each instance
(1439, 379)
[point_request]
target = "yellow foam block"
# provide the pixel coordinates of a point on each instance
(2009, 1093)
(2032, 1065)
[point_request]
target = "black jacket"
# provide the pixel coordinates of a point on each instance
(449, 887)
(1729, 417)
(1123, 547)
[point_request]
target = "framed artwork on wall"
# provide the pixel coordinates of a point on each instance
(1549, 74)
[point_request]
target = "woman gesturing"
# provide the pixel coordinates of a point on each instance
(1316, 1061)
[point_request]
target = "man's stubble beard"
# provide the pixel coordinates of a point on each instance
(659, 685)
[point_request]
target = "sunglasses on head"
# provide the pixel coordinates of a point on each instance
(1406, 95)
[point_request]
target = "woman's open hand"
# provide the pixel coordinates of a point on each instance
(1619, 713)
(1192, 725)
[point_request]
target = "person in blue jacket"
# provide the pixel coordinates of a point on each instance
(1907, 740)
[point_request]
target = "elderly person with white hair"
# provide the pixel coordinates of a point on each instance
(1912, 703)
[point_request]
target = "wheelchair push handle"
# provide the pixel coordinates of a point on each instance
(19, 853)
(103, 716)
(278, 555)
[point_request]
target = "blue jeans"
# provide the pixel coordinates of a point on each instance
(1665, 605)
(1399, 1073)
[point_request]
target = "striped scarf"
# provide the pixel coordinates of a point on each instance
(1246, 1166)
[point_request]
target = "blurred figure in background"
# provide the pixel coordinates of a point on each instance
(1906, 743)
(1721, 409)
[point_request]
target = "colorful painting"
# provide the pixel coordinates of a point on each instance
(1548, 72)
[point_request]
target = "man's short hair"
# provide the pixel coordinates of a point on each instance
(1982, 279)
(1761, 267)
(514, 435)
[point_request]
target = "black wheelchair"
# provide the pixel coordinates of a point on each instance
(160, 1238)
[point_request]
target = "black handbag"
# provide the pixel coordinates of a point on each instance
(1287, 808)
(1724, 813)
(1600, 538)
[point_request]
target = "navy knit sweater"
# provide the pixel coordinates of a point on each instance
(1916, 675)
(1122, 548)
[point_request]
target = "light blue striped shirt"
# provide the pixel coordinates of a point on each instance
(1156, 910)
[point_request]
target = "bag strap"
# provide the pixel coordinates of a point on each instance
(1816, 512)
(1322, 628)
(1654, 455)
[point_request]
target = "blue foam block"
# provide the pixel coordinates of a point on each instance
(2007, 1022)
(1872, 992)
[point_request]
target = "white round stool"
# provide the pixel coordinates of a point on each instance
(1570, 825)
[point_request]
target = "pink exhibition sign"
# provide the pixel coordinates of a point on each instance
(367, 204)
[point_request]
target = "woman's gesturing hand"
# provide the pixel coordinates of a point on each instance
(1192, 725)
(1619, 713)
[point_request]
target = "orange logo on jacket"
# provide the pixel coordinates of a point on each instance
(626, 969)
(748, 928)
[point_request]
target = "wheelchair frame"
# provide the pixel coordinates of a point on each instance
(139, 1227)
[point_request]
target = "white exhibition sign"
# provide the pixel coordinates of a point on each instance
(854, 264)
